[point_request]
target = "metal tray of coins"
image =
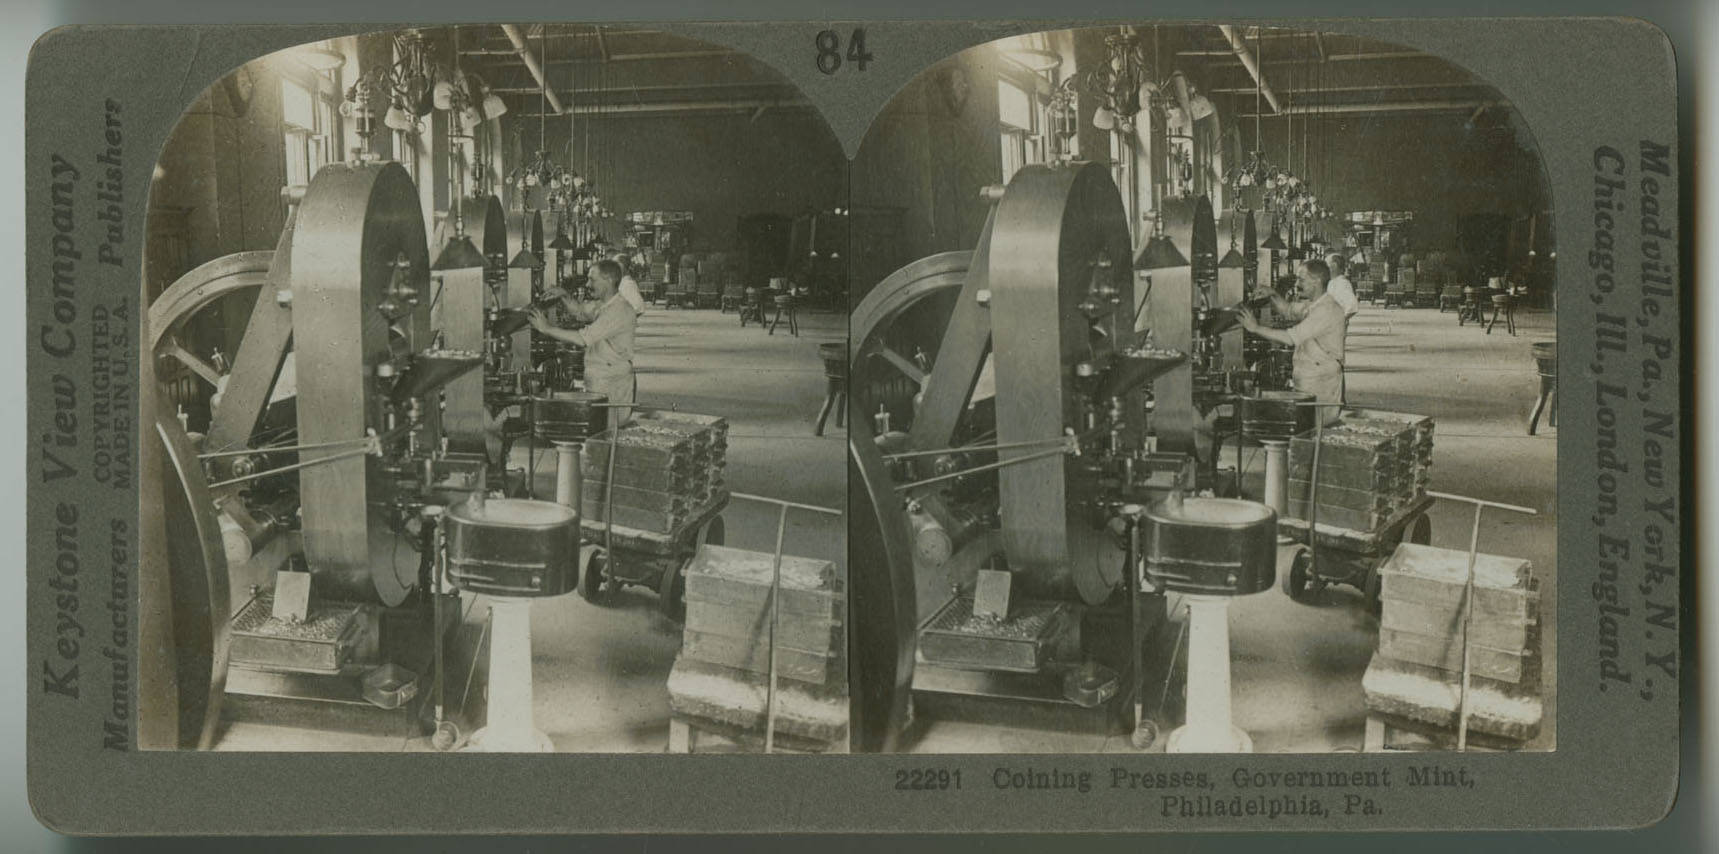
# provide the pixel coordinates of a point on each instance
(1021, 641)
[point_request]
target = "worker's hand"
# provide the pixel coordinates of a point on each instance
(539, 321)
(556, 292)
(1247, 320)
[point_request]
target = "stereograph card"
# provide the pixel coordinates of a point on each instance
(890, 426)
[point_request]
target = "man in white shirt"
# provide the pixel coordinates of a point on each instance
(629, 286)
(1341, 289)
(608, 339)
(1318, 337)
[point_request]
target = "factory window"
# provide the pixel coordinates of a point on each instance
(310, 123)
(1018, 117)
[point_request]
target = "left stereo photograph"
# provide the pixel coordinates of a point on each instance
(493, 396)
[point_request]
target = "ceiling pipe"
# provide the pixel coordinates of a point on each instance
(1245, 54)
(530, 59)
(1382, 107)
(1372, 87)
(683, 107)
(614, 57)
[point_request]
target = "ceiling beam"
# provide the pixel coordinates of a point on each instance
(530, 60)
(623, 89)
(674, 107)
(1244, 55)
(1335, 57)
(1380, 107)
(1372, 87)
(1345, 74)
(617, 57)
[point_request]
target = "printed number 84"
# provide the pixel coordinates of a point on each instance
(830, 50)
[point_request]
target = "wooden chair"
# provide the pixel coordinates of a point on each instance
(786, 305)
(709, 293)
(752, 306)
(1546, 363)
(1503, 303)
(835, 358)
(733, 294)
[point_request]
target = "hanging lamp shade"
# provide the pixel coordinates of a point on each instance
(525, 259)
(562, 242)
(1159, 253)
(458, 254)
(1274, 242)
(1232, 260)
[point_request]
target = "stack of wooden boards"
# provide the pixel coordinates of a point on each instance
(1417, 672)
(720, 680)
(1373, 466)
(668, 470)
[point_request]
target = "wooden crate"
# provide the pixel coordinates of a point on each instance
(753, 656)
(741, 578)
(1445, 653)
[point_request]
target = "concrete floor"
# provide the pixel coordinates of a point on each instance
(601, 671)
(1296, 669)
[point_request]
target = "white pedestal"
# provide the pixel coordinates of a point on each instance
(511, 728)
(568, 475)
(1209, 728)
(1277, 479)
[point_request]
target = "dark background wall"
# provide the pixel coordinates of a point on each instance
(1442, 167)
(720, 166)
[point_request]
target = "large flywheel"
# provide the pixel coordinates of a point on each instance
(259, 462)
(971, 374)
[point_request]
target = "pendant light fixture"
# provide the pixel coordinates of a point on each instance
(459, 253)
(535, 176)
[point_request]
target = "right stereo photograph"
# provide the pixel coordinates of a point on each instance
(1201, 400)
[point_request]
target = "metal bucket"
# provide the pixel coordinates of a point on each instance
(512, 547)
(1212, 546)
(569, 416)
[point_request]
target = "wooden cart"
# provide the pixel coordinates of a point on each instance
(1346, 556)
(631, 556)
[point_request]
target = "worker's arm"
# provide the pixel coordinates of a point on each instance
(1286, 309)
(604, 325)
(1252, 324)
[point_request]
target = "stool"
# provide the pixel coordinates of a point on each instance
(1396, 294)
(733, 297)
(836, 396)
(1506, 304)
(752, 308)
(785, 305)
(1450, 298)
(1470, 308)
(1546, 360)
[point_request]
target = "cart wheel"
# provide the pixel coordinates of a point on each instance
(591, 583)
(1370, 589)
(671, 592)
(671, 589)
(1421, 532)
(1145, 734)
(446, 736)
(1299, 583)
